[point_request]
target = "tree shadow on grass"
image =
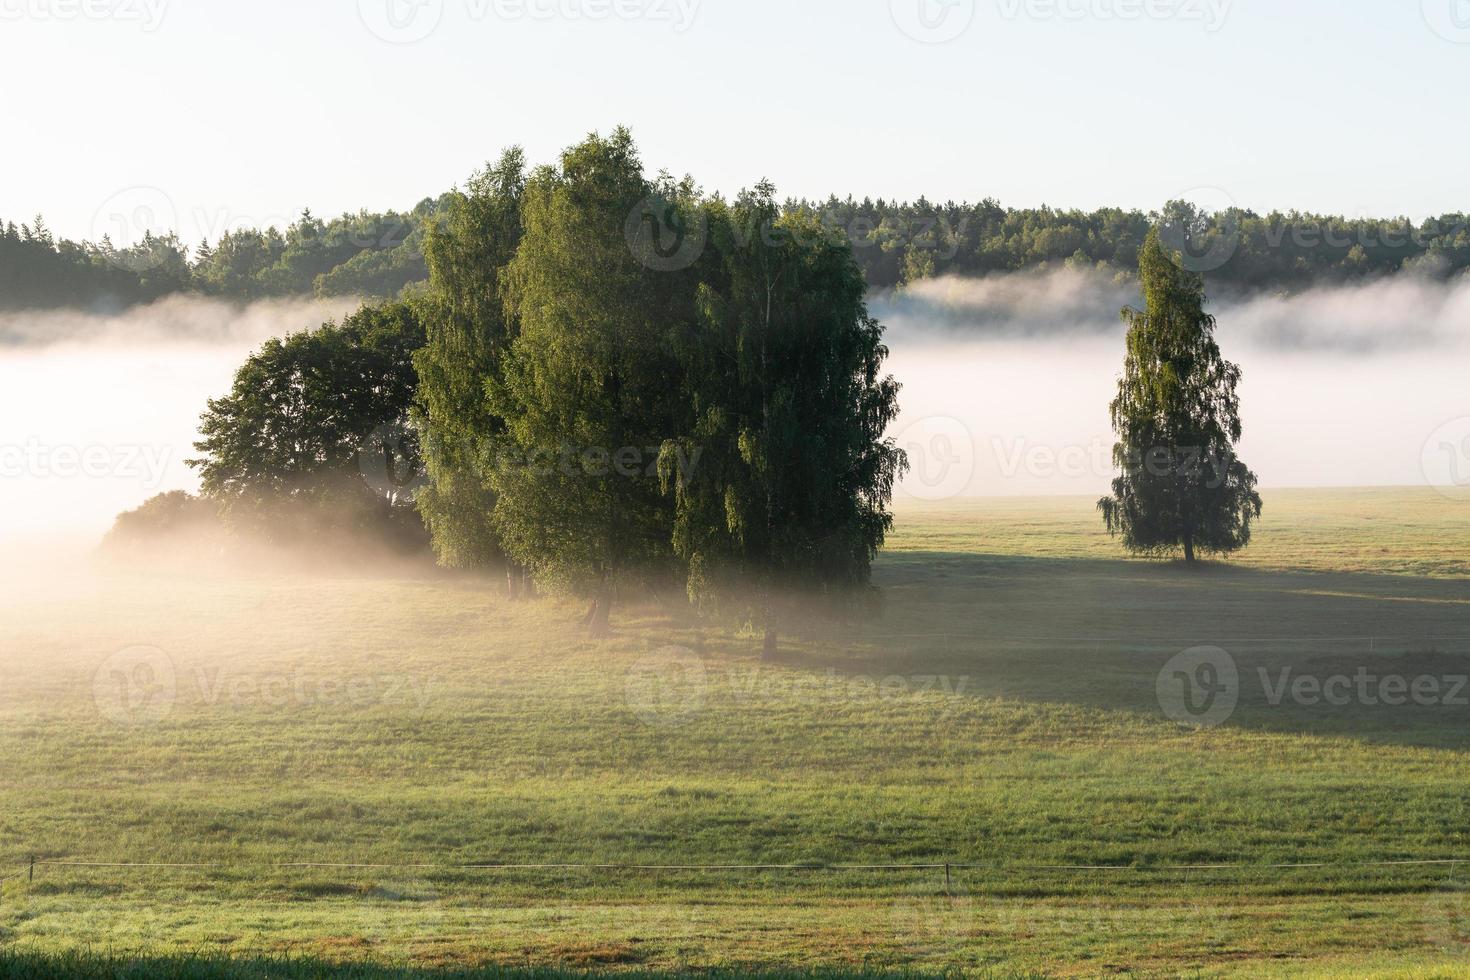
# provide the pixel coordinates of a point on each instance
(89, 966)
(1321, 653)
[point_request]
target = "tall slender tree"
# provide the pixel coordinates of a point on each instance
(789, 408)
(1177, 416)
(467, 248)
(590, 388)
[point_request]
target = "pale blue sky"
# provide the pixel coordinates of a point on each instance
(244, 112)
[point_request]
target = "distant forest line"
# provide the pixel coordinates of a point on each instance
(380, 255)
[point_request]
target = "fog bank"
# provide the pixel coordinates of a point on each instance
(1406, 312)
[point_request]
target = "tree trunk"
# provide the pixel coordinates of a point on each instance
(602, 613)
(510, 582)
(1188, 548)
(591, 615)
(772, 643)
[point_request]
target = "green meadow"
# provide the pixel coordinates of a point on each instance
(998, 709)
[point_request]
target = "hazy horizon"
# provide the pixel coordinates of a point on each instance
(1006, 386)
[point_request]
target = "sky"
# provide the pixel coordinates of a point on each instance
(204, 115)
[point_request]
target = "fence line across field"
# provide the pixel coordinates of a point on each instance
(31, 866)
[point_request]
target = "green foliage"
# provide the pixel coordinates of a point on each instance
(590, 379)
(789, 408)
(164, 520)
(315, 434)
(37, 271)
(428, 720)
(363, 254)
(898, 242)
(468, 247)
(894, 242)
(1177, 416)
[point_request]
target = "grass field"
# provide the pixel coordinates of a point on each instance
(1003, 712)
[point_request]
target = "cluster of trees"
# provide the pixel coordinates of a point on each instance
(313, 448)
(364, 254)
(893, 242)
(601, 415)
(582, 411)
(577, 400)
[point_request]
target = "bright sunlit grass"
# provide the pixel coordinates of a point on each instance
(1001, 711)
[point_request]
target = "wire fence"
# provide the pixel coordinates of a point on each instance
(29, 867)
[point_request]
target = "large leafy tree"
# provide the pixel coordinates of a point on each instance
(589, 391)
(1177, 416)
(315, 436)
(468, 247)
(788, 406)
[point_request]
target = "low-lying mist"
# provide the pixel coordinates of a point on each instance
(1006, 380)
(100, 410)
(1406, 312)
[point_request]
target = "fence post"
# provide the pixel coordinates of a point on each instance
(33, 869)
(948, 889)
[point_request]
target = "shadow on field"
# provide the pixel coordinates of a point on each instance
(113, 967)
(1322, 653)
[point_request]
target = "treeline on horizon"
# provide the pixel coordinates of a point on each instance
(380, 255)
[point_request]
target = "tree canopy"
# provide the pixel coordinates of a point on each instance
(377, 255)
(314, 436)
(1177, 416)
